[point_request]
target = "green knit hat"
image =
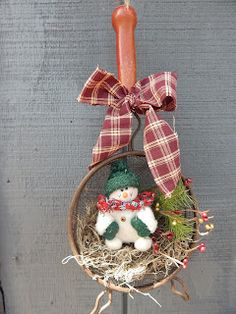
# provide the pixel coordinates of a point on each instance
(120, 177)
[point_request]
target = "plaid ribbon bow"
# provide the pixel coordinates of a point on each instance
(156, 92)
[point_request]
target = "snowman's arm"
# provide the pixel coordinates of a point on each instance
(103, 221)
(147, 217)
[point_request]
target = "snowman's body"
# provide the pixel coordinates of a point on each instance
(126, 232)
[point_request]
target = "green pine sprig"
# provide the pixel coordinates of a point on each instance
(179, 200)
(172, 210)
(181, 227)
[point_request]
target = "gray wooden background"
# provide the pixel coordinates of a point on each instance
(48, 50)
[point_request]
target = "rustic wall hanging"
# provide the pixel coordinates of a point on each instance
(133, 221)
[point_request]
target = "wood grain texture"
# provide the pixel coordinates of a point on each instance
(48, 50)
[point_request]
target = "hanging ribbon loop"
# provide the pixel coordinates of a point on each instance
(154, 93)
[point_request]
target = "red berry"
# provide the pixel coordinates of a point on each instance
(185, 266)
(170, 235)
(185, 260)
(178, 212)
(155, 248)
(188, 182)
(204, 215)
(202, 247)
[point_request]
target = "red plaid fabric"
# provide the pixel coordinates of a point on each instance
(143, 199)
(156, 92)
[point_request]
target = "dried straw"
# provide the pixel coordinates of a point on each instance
(127, 264)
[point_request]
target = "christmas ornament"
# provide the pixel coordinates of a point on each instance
(126, 217)
(133, 222)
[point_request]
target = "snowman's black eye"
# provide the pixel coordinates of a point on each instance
(126, 188)
(122, 190)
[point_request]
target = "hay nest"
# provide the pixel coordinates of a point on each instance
(127, 264)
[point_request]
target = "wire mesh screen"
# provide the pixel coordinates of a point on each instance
(95, 184)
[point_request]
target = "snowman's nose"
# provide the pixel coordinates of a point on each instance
(124, 194)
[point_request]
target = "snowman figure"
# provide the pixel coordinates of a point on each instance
(125, 216)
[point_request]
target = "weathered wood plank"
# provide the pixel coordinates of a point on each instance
(198, 41)
(48, 49)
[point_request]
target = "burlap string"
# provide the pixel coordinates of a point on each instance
(96, 309)
(183, 294)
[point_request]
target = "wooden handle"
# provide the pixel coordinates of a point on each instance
(124, 20)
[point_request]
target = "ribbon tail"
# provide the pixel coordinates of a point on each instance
(115, 134)
(161, 148)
